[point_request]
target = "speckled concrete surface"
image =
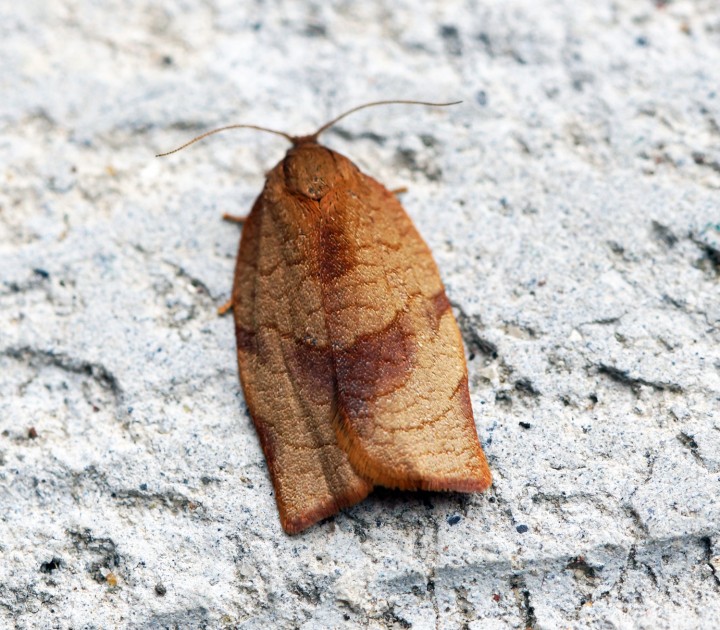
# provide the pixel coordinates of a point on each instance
(572, 204)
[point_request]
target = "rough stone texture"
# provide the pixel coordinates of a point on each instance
(572, 203)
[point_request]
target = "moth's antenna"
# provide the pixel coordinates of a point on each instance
(326, 126)
(298, 139)
(219, 129)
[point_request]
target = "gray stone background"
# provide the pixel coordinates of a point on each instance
(572, 204)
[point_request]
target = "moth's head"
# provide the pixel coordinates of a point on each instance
(310, 169)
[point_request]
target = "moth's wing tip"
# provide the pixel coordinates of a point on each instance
(466, 484)
(304, 518)
(475, 475)
(481, 478)
(476, 483)
(485, 481)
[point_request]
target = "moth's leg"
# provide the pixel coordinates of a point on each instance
(399, 191)
(233, 218)
(225, 308)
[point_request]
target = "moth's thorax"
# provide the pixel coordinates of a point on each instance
(312, 170)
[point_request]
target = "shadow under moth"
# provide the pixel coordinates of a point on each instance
(351, 361)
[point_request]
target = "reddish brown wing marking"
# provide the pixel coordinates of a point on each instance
(286, 363)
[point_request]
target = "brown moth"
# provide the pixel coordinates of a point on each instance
(350, 358)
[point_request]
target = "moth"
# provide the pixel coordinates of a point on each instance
(350, 358)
